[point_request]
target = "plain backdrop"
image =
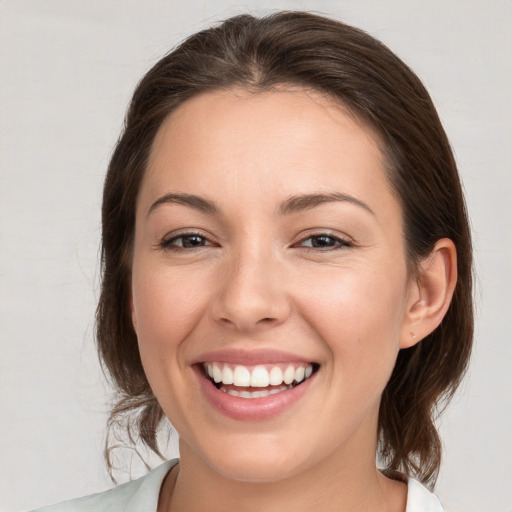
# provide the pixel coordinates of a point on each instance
(67, 70)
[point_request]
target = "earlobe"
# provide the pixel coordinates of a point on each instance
(432, 294)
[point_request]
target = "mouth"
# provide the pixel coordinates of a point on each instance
(257, 381)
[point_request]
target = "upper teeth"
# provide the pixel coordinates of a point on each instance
(259, 376)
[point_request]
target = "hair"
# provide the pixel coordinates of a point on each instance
(361, 74)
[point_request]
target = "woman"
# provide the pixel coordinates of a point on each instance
(287, 273)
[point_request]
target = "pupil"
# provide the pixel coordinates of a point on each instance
(322, 241)
(193, 241)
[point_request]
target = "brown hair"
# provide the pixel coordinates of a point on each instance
(310, 51)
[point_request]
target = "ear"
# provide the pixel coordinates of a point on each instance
(430, 293)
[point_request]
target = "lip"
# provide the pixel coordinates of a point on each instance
(250, 409)
(249, 357)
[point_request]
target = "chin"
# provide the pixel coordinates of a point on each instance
(260, 469)
(254, 463)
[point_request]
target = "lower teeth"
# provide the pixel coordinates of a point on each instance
(255, 394)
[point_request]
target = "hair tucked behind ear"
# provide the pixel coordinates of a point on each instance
(301, 49)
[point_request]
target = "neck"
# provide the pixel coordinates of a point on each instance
(327, 486)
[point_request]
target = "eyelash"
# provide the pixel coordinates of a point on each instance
(337, 242)
(167, 244)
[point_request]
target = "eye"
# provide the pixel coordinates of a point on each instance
(185, 241)
(324, 241)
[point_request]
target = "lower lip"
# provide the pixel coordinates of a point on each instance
(251, 409)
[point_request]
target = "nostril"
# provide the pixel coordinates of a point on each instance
(247, 308)
(247, 324)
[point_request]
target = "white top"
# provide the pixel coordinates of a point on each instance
(141, 495)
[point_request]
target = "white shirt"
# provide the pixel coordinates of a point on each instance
(141, 495)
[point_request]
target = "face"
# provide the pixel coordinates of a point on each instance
(269, 282)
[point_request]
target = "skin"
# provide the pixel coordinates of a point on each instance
(257, 279)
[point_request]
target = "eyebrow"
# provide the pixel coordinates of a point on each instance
(300, 203)
(291, 205)
(199, 203)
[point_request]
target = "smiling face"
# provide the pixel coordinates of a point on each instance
(269, 257)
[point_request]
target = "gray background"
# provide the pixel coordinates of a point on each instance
(67, 70)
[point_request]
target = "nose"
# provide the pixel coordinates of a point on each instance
(251, 296)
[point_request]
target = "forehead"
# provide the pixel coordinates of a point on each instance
(249, 115)
(257, 145)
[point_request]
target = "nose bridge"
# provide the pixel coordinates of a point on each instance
(251, 295)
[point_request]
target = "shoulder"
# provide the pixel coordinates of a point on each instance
(140, 495)
(420, 499)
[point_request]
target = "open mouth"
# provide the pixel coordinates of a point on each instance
(257, 381)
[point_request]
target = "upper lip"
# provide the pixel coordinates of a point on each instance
(250, 357)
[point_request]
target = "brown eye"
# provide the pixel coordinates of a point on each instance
(324, 241)
(186, 241)
(193, 241)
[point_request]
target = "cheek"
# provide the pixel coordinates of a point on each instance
(167, 306)
(359, 316)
